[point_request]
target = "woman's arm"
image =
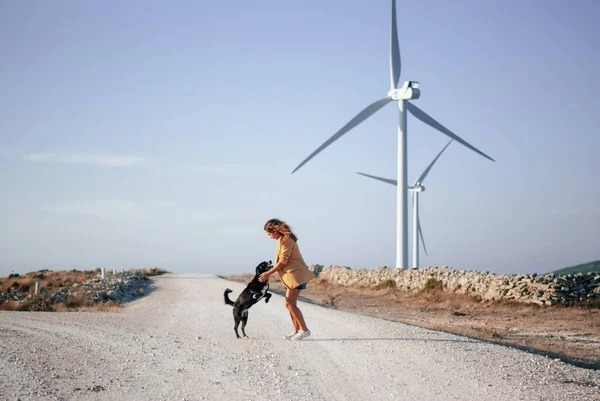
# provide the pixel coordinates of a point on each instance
(285, 251)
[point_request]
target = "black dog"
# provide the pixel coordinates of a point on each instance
(253, 293)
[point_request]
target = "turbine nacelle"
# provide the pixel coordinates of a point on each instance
(417, 188)
(410, 90)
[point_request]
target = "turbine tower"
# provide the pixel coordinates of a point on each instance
(408, 91)
(416, 188)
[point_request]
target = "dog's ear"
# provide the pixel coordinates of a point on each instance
(260, 267)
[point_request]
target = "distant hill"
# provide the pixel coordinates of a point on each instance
(583, 268)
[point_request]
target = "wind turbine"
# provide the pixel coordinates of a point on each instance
(416, 188)
(409, 90)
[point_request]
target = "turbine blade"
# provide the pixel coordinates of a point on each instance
(360, 117)
(386, 180)
(427, 119)
(395, 63)
(424, 174)
(421, 234)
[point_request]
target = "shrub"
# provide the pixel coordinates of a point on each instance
(11, 306)
(386, 284)
(317, 269)
(433, 285)
(39, 304)
(76, 301)
(22, 286)
(157, 271)
(433, 290)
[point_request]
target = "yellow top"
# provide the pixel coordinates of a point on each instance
(294, 272)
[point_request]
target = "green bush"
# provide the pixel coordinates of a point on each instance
(433, 285)
(387, 284)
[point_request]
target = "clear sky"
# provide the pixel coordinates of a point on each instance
(152, 133)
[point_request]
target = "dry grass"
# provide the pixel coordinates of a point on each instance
(37, 304)
(385, 284)
(434, 291)
(10, 306)
(110, 306)
(51, 281)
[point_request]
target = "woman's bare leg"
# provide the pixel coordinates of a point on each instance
(291, 296)
(295, 323)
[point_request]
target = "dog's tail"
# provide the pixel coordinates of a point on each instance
(226, 296)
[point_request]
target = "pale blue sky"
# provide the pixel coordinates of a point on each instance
(164, 133)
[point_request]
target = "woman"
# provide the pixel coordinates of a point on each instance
(292, 270)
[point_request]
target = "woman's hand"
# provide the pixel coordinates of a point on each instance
(264, 277)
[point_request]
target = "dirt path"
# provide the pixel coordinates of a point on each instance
(177, 343)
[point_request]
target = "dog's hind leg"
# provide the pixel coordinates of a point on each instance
(267, 297)
(236, 318)
(244, 321)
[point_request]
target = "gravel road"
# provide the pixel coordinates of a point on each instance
(177, 343)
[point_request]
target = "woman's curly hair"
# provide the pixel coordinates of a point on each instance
(280, 226)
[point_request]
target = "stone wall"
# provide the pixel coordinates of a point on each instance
(548, 289)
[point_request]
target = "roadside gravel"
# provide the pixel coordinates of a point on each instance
(177, 343)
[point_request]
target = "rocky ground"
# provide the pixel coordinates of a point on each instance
(569, 333)
(95, 293)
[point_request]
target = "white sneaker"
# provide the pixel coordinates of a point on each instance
(301, 334)
(289, 336)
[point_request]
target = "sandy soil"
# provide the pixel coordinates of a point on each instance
(177, 343)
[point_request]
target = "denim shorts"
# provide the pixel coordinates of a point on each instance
(301, 287)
